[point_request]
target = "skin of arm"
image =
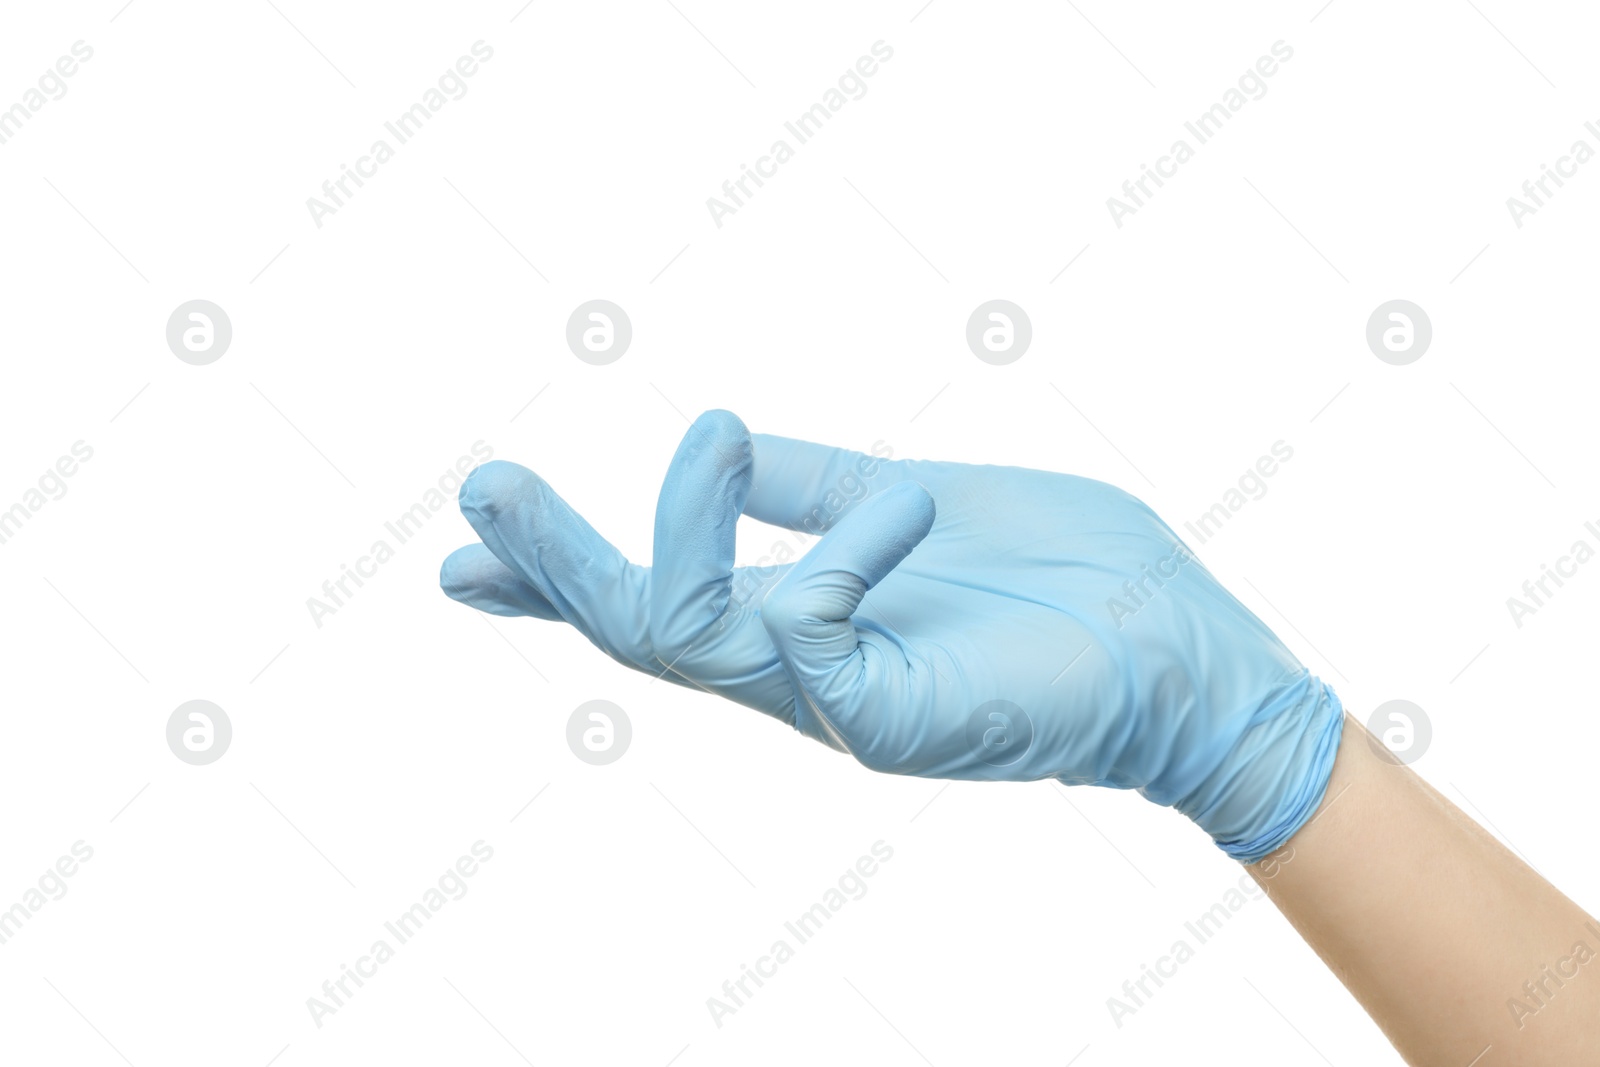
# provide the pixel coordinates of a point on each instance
(1460, 952)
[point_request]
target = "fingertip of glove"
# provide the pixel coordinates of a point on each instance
(492, 485)
(723, 431)
(913, 506)
(458, 571)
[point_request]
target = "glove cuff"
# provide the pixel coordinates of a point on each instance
(1274, 779)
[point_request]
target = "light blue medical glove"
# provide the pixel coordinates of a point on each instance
(954, 621)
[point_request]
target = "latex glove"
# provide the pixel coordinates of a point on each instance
(955, 621)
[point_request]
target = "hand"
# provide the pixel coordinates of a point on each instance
(954, 621)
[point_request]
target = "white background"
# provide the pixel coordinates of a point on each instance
(369, 753)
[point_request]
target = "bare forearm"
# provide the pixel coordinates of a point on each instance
(1434, 926)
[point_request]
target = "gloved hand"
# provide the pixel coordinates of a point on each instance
(955, 621)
